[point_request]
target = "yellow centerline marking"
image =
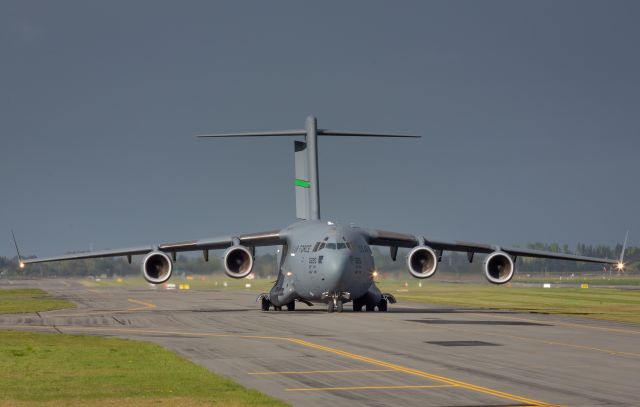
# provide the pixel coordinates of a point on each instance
(372, 361)
(145, 305)
(324, 371)
(571, 345)
(561, 323)
(433, 386)
(528, 339)
(420, 373)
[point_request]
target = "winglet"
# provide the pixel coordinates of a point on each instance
(620, 265)
(624, 247)
(20, 262)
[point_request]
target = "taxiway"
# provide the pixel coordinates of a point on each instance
(413, 355)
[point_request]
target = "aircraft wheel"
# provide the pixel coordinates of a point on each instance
(339, 306)
(330, 307)
(265, 304)
(291, 306)
(382, 305)
(371, 308)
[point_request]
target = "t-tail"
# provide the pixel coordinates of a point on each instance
(307, 180)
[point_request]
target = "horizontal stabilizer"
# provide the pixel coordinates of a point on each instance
(302, 132)
(257, 134)
(324, 132)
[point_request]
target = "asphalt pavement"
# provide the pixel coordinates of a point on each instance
(414, 355)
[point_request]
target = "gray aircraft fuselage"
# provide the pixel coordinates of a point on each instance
(323, 260)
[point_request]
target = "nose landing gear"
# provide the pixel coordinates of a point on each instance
(336, 304)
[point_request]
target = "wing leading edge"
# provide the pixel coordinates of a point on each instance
(269, 238)
(393, 239)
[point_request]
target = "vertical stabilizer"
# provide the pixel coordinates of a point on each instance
(307, 180)
(303, 202)
(311, 138)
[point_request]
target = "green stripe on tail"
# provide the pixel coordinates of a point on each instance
(302, 183)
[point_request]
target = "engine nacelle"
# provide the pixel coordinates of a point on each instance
(499, 267)
(157, 267)
(238, 262)
(422, 262)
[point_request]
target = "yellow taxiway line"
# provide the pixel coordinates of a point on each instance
(529, 339)
(415, 372)
(420, 373)
(323, 371)
(561, 323)
(432, 386)
(145, 305)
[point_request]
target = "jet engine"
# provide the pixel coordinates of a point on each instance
(422, 262)
(157, 267)
(238, 262)
(499, 267)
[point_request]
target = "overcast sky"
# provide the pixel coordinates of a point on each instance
(529, 114)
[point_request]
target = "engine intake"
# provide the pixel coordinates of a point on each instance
(422, 262)
(157, 267)
(238, 262)
(499, 267)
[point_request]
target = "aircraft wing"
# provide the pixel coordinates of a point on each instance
(393, 239)
(268, 238)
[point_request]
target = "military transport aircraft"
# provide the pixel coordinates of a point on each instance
(321, 261)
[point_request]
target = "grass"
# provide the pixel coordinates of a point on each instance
(600, 303)
(22, 300)
(197, 283)
(591, 280)
(59, 369)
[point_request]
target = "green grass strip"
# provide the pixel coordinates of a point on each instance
(23, 300)
(62, 369)
(599, 303)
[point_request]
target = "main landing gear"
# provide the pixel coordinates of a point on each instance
(382, 305)
(265, 304)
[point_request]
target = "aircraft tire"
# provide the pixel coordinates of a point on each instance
(382, 305)
(371, 308)
(330, 307)
(265, 304)
(339, 306)
(291, 306)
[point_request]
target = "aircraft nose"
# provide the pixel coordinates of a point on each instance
(336, 266)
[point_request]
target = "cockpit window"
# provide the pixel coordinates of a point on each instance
(342, 246)
(330, 246)
(321, 246)
(315, 247)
